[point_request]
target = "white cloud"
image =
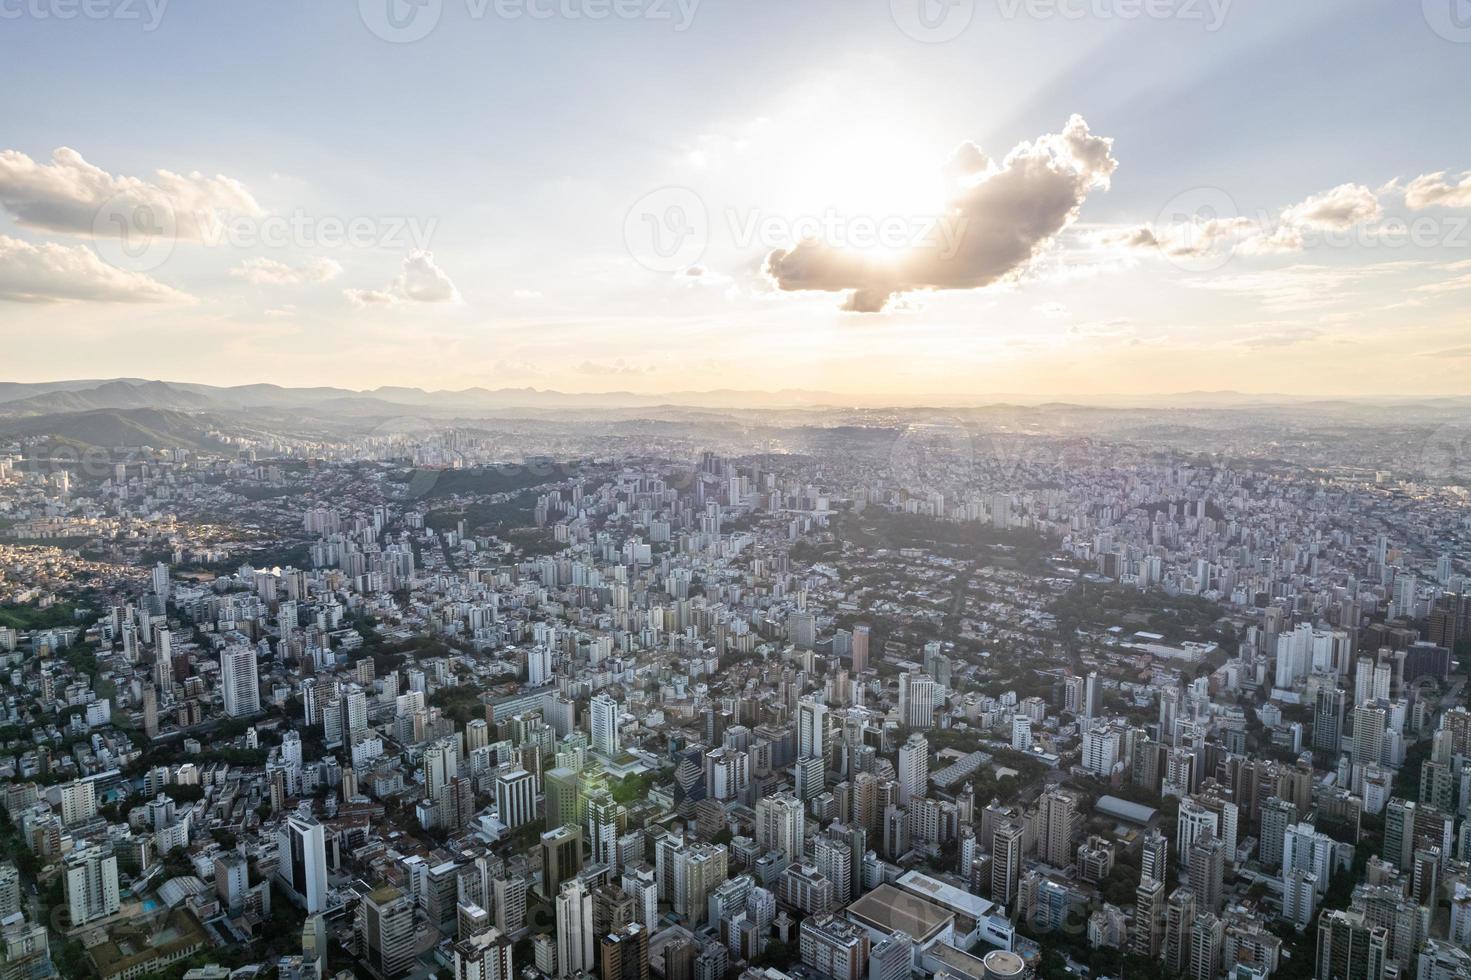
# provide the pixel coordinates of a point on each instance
(363, 298)
(424, 282)
(269, 272)
(72, 196)
(1430, 190)
(52, 273)
(421, 281)
(1185, 240)
(1342, 207)
(1000, 218)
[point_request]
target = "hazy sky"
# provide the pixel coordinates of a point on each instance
(907, 196)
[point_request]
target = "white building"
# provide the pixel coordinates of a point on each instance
(239, 681)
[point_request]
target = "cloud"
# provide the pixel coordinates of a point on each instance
(1430, 190)
(269, 272)
(1450, 353)
(424, 282)
(72, 196)
(1000, 218)
(1339, 209)
(1343, 207)
(52, 273)
(1185, 240)
(363, 298)
(421, 281)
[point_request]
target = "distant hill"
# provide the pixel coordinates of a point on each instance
(107, 429)
(50, 398)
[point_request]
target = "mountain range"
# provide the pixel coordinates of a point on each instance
(47, 398)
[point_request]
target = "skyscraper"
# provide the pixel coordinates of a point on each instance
(239, 683)
(91, 884)
(811, 729)
(1058, 828)
(1207, 873)
(1179, 917)
(574, 929)
(301, 861)
(1149, 917)
(1207, 937)
(561, 857)
(860, 649)
(919, 696)
(625, 953)
(914, 767)
(515, 796)
(1155, 856)
(1006, 861)
(483, 956)
(385, 925)
(604, 720)
(779, 824)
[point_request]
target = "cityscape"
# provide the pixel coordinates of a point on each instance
(545, 490)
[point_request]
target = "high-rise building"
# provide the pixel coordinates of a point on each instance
(509, 898)
(563, 789)
(1154, 858)
(1399, 832)
(9, 890)
(811, 729)
(301, 861)
(834, 947)
(91, 884)
(604, 721)
(1207, 870)
(78, 802)
(1006, 861)
(914, 767)
(860, 649)
(1350, 947)
(441, 764)
(385, 928)
(625, 953)
(561, 857)
(483, 956)
(1277, 815)
(919, 696)
(538, 666)
(1369, 720)
(239, 683)
(1149, 917)
(1330, 707)
(1207, 937)
(1179, 917)
(1059, 821)
(515, 796)
(574, 929)
(891, 958)
(780, 824)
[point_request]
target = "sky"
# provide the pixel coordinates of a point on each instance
(1049, 197)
